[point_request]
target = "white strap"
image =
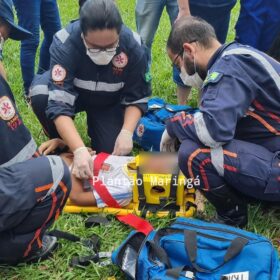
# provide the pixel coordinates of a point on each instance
(217, 158)
(261, 58)
(57, 169)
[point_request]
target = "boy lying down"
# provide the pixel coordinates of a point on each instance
(115, 174)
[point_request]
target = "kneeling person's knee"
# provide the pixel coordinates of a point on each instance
(187, 149)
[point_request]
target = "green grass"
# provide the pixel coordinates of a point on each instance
(263, 221)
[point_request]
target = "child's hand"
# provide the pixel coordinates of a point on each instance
(50, 146)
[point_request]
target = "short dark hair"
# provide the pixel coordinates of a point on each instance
(81, 3)
(190, 29)
(100, 14)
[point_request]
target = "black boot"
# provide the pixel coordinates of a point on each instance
(231, 208)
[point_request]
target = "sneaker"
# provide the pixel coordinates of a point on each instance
(27, 100)
(49, 244)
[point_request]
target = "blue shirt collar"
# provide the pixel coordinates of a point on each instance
(217, 54)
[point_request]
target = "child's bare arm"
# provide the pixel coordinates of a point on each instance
(80, 197)
(50, 146)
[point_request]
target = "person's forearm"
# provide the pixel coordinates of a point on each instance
(184, 7)
(182, 94)
(131, 117)
(68, 132)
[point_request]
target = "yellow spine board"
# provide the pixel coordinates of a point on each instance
(133, 207)
(156, 186)
(124, 211)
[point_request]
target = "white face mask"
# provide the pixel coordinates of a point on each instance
(100, 58)
(191, 80)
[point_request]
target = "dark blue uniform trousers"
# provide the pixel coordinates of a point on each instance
(32, 196)
(249, 168)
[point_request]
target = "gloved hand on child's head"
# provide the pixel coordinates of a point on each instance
(82, 164)
(167, 143)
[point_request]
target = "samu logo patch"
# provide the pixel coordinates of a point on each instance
(140, 130)
(120, 60)
(7, 109)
